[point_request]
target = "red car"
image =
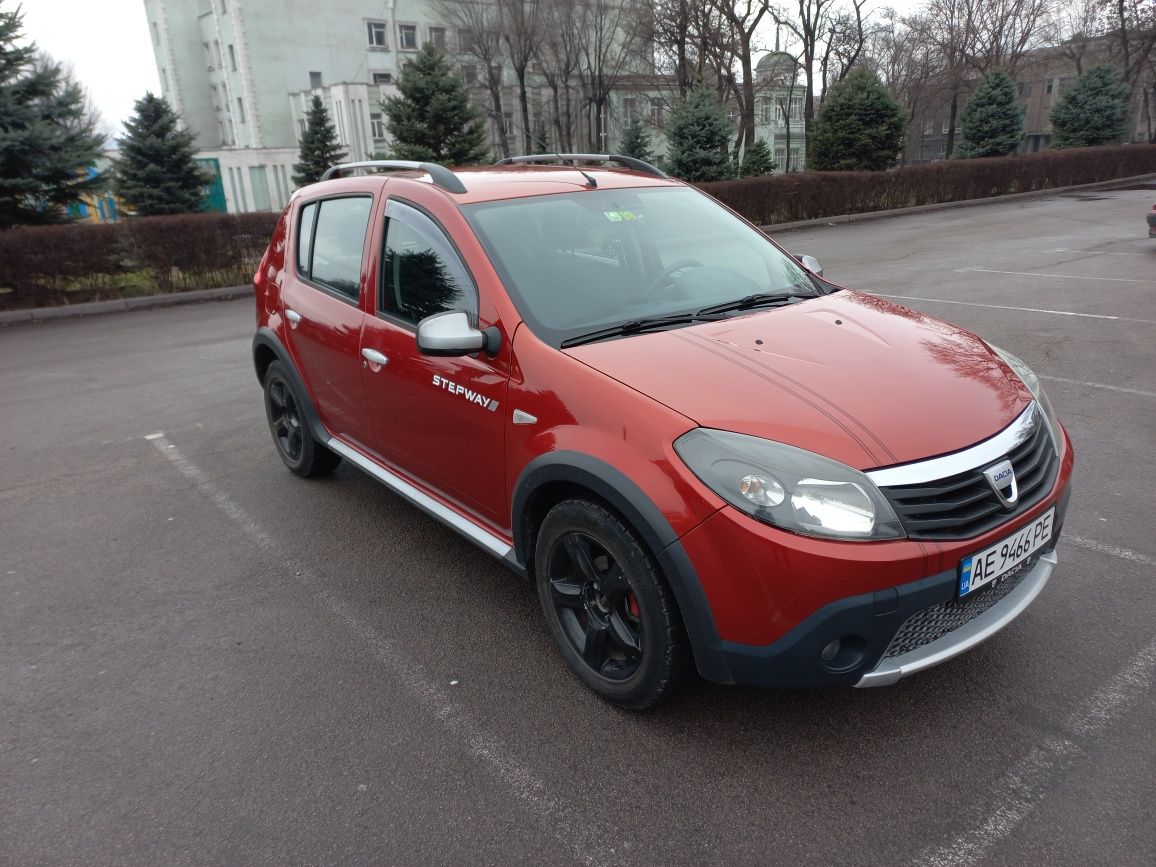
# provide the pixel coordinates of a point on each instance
(700, 451)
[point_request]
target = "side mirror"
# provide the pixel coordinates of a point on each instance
(811, 264)
(449, 334)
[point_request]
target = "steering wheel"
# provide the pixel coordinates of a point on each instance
(663, 281)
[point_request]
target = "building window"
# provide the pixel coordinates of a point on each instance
(240, 110)
(232, 59)
(407, 37)
(764, 111)
(944, 126)
(437, 35)
(217, 51)
(630, 108)
(377, 34)
(1050, 85)
(656, 112)
(377, 127)
(314, 80)
(209, 55)
(156, 34)
(781, 159)
(300, 127)
(467, 41)
(796, 108)
(224, 7)
(383, 78)
(1025, 89)
(216, 100)
(470, 73)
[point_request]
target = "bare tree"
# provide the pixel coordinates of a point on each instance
(1003, 31)
(742, 19)
(608, 34)
(479, 25)
(522, 20)
(846, 38)
(948, 27)
(809, 22)
(557, 52)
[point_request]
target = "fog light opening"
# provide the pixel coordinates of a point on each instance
(843, 654)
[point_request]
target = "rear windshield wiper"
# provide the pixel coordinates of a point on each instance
(636, 326)
(761, 299)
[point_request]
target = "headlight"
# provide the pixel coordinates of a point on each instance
(1028, 377)
(790, 488)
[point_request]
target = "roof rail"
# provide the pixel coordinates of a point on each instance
(440, 175)
(626, 162)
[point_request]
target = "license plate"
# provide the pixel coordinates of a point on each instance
(988, 565)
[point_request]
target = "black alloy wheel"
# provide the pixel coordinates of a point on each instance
(288, 424)
(598, 612)
(607, 606)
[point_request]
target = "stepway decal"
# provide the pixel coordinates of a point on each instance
(468, 394)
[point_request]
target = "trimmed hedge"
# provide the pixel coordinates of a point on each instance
(785, 198)
(45, 266)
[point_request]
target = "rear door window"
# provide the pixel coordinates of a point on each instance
(331, 243)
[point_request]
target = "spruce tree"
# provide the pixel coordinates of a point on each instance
(155, 172)
(320, 149)
(1094, 112)
(860, 126)
(697, 137)
(48, 134)
(541, 136)
(757, 160)
(432, 119)
(636, 142)
(992, 123)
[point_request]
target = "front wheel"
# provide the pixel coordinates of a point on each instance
(607, 607)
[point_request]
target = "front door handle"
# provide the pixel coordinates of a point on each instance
(292, 315)
(374, 357)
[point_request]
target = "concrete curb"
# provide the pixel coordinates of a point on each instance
(943, 206)
(121, 305)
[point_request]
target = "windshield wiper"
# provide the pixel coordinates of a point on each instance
(637, 326)
(748, 302)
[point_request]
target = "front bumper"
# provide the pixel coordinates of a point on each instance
(868, 627)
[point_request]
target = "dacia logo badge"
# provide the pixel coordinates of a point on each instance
(1002, 478)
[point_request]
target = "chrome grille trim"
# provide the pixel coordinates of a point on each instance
(979, 455)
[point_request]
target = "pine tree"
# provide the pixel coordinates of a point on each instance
(992, 123)
(1094, 112)
(860, 126)
(48, 134)
(432, 119)
(697, 137)
(636, 142)
(155, 172)
(541, 136)
(757, 160)
(320, 149)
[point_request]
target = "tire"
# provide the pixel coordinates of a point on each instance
(607, 606)
(291, 435)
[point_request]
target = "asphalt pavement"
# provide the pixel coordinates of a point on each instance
(204, 659)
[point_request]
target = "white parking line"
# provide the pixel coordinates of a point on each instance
(1025, 785)
(1100, 253)
(1018, 309)
(1122, 553)
(1119, 388)
(1057, 276)
(585, 843)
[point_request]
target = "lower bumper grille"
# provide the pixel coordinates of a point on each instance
(936, 621)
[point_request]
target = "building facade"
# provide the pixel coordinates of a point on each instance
(241, 74)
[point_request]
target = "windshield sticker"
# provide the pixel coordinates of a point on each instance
(620, 216)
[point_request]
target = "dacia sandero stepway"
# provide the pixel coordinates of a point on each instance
(703, 454)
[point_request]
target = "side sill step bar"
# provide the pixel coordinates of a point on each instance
(496, 546)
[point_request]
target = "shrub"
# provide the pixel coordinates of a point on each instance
(809, 195)
(45, 266)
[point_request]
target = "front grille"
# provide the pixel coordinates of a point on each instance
(933, 623)
(964, 505)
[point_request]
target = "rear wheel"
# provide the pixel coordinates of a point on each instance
(609, 610)
(291, 435)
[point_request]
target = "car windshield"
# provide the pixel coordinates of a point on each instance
(585, 261)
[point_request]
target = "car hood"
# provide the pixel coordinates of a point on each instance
(850, 376)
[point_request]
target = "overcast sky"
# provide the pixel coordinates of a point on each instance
(107, 44)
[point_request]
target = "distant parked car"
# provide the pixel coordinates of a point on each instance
(697, 447)
(1152, 222)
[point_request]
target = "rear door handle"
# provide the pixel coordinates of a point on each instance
(374, 357)
(292, 315)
